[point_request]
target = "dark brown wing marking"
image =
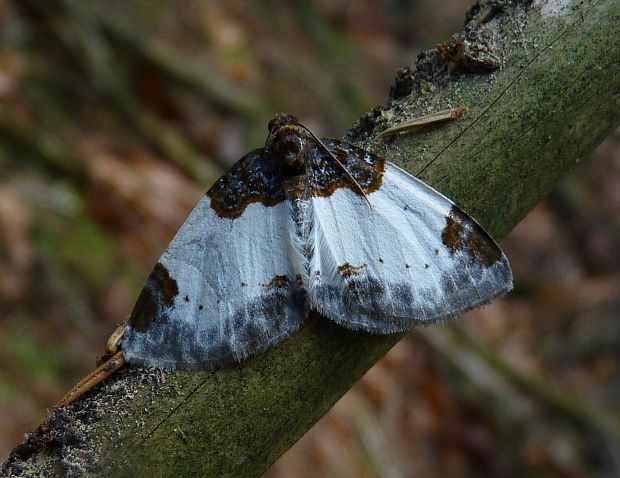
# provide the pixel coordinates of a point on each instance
(254, 178)
(156, 297)
(461, 233)
(325, 176)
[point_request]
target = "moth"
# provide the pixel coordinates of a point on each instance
(305, 224)
(308, 224)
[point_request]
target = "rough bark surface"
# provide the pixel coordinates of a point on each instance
(542, 84)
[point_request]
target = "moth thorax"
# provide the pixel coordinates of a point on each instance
(289, 146)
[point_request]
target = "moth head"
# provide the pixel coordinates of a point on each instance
(287, 141)
(280, 120)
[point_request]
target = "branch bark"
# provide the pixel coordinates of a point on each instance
(555, 96)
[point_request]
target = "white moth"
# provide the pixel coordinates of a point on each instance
(306, 224)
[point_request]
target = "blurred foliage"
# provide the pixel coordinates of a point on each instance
(116, 116)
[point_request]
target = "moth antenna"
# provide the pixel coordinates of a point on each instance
(342, 166)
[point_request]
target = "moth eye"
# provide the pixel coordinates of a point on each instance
(272, 124)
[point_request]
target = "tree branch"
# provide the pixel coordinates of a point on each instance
(555, 96)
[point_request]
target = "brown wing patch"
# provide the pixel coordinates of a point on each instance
(278, 282)
(462, 233)
(157, 295)
(254, 178)
(325, 176)
(348, 270)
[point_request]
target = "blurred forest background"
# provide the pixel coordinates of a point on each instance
(115, 117)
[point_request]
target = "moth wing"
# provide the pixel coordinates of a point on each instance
(412, 257)
(226, 287)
